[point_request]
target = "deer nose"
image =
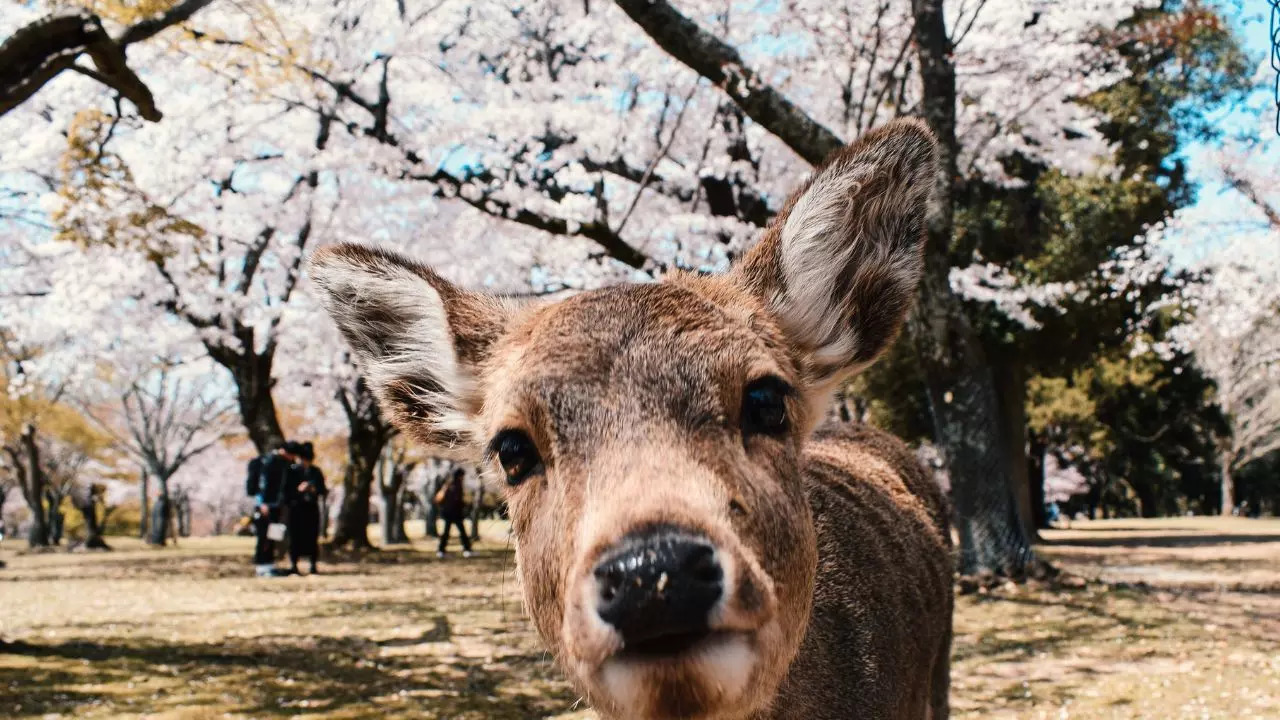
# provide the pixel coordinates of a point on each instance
(659, 585)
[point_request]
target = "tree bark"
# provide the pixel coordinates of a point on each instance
(161, 513)
(86, 501)
(1038, 448)
(476, 507)
(391, 520)
(252, 374)
(961, 389)
(432, 515)
(31, 477)
(1011, 391)
(367, 435)
(352, 525)
(39, 51)
(1228, 487)
(144, 481)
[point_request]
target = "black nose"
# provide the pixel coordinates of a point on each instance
(659, 585)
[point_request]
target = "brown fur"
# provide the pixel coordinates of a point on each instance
(834, 545)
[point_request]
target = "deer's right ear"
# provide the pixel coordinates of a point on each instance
(419, 339)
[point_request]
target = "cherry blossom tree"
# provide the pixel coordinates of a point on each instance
(1236, 341)
(539, 148)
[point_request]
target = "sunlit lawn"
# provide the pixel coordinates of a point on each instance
(1188, 626)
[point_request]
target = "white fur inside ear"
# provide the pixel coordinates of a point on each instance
(837, 243)
(398, 326)
(817, 248)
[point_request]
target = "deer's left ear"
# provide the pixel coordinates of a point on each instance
(839, 265)
(420, 340)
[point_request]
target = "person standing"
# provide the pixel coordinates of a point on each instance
(452, 508)
(305, 489)
(266, 484)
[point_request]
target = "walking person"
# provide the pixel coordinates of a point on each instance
(452, 508)
(306, 488)
(266, 485)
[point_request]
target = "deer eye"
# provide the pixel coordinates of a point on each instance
(517, 454)
(764, 406)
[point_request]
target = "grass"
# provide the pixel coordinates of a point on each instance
(1179, 619)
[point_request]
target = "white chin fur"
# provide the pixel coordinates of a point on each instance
(723, 664)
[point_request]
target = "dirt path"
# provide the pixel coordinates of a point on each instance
(186, 633)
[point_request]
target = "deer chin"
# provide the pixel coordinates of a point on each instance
(708, 676)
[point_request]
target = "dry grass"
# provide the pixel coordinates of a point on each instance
(186, 633)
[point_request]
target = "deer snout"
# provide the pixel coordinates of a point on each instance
(659, 589)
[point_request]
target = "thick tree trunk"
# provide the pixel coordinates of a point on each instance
(367, 435)
(1011, 390)
(251, 372)
(144, 481)
(257, 406)
(1228, 487)
(352, 525)
(961, 391)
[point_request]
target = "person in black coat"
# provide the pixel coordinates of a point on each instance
(305, 489)
(268, 476)
(453, 509)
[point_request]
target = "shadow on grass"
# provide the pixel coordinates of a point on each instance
(275, 676)
(1090, 616)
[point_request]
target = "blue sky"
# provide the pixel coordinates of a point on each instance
(1220, 212)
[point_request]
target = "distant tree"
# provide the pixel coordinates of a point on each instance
(88, 499)
(164, 419)
(1236, 340)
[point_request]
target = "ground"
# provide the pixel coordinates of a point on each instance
(1180, 619)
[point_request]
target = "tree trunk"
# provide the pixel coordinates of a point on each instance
(257, 406)
(1011, 391)
(143, 501)
(367, 435)
(391, 520)
(161, 513)
(352, 525)
(33, 487)
(251, 372)
(432, 519)
(182, 508)
(476, 507)
(1038, 446)
(324, 517)
(961, 391)
(86, 501)
(56, 519)
(1228, 487)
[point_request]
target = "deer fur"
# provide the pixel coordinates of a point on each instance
(833, 543)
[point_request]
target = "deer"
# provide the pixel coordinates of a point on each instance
(689, 542)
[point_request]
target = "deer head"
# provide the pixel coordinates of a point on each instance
(651, 435)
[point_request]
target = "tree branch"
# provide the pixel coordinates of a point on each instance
(38, 52)
(711, 58)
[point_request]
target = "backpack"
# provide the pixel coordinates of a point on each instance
(253, 482)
